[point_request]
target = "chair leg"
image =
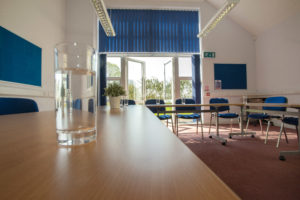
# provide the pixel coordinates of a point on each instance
(266, 139)
(261, 128)
(172, 124)
(247, 124)
(279, 137)
(230, 125)
(197, 126)
(176, 125)
(210, 123)
(201, 127)
(297, 133)
(239, 121)
(286, 139)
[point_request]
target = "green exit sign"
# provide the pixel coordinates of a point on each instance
(209, 54)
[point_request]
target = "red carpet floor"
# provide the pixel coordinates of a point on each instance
(247, 165)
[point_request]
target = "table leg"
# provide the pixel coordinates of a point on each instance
(217, 136)
(241, 126)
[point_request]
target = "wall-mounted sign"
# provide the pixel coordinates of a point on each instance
(209, 54)
(218, 84)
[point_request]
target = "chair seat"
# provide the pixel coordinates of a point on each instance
(228, 115)
(163, 117)
(290, 120)
(258, 116)
(191, 116)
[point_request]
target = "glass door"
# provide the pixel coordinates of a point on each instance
(135, 80)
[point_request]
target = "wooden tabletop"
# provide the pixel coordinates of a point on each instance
(135, 157)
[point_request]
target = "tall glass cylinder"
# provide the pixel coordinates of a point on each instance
(75, 93)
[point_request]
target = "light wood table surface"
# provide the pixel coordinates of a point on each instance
(135, 157)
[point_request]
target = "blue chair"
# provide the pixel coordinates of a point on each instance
(17, 105)
(91, 106)
(291, 121)
(187, 116)
(77, 104)
(227, 115)
(130, 102)
(264, 116)
(159, 110)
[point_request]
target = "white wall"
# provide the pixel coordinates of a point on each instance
(278, 60)
(81, 23)
(232, 44)
(43, 24)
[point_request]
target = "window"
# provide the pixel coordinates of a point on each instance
(185, 77)
(113, 69)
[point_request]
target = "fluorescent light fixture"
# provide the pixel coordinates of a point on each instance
(103, 17)
(229, 5)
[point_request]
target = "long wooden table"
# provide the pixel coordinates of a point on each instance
(135, 157)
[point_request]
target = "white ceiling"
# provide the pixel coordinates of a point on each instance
(255, 16)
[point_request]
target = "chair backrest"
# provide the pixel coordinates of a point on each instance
(187, 101)
(130, 102)
(276, 100)
(17, 105)
(77, 104)
(219, 100)
(153, 102)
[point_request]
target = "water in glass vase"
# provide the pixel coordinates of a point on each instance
(75, 106)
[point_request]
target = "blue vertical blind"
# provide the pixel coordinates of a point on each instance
(151, 31)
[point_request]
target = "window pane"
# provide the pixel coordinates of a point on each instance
(168, 82)
(113, 67)
(185, 66)
(112, 81)
(186, 89)
(135, 80)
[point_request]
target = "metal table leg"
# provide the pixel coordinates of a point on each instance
(217, 136)
(241, 125)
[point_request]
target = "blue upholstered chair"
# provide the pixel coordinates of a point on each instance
(91, 106)
(187, 116)
(290, 121)
(77, 104)
(130, 102)
(17, 105)
(264, 116)
(227, 115)
(159, 110)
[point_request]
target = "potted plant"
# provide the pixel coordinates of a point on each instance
(114, 91)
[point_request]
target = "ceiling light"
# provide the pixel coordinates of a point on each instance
(229, 5)
(104, 18)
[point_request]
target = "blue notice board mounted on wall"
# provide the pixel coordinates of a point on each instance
(231, 76)
(20, 60)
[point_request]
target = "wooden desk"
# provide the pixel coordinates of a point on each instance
(135, 157)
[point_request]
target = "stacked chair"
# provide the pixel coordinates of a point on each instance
(187, 116)
(291, 121)
(264, 116)
(158, 111)
(227, 115)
